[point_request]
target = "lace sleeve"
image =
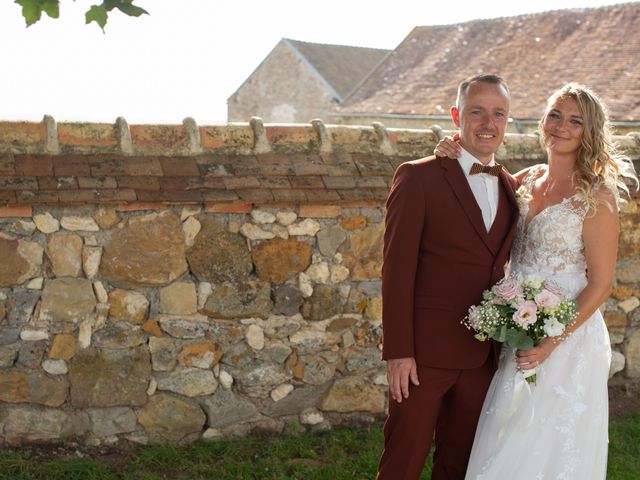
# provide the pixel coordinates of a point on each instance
(532, 175)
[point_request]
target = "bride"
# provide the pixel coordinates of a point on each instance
(556, 429)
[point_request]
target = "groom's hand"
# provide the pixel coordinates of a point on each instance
(399, 371)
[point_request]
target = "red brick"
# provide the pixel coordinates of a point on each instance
(37, 197)
(356, 194)
(179, 167)
(340, 182)
(359, 203)
(57, 183)
(193, 196)
(339, 164)
(143, 166)
(301, 135)
(244, 164)
(323, 196)
(17, 211)
(18, 183)
(22, 133)
(373, 164)
(289, 195)
(214, 166)
(88, 134)
(92, 196)
(7, 164)
(256, 195)
(139, 183)
(219, 195)
(97, 182)
(235, 183)
(274, 182)
(231, 207)
(306, 182)
(138, 206)
(275, 164)
(380, 193)
(33, 165)
(320, 211)
(309, 165)
(159, 136)
(107, 166)
(71, 165)
(371, 182)
(226, 136)
(186, 183)
(7, 197)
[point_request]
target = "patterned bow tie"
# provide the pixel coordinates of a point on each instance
(491, 170)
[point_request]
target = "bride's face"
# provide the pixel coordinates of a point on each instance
(563, 126)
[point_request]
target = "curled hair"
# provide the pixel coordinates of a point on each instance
(598, 163)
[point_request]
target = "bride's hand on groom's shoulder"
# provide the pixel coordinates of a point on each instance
(448, 147)
(528, 359)
(399, 372)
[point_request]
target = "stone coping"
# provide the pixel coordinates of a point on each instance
(222, 167)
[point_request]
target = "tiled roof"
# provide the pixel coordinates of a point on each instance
(535, 53)
(343, 67)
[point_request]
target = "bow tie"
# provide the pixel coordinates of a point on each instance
(491, 170)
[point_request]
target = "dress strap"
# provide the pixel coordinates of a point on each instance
(532, 175)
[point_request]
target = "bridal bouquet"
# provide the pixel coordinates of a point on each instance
(521, 312)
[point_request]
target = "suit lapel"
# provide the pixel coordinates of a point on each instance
(507, 183)
(460, 186)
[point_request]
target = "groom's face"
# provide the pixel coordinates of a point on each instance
(482, 117)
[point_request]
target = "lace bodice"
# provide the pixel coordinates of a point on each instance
(550, 244)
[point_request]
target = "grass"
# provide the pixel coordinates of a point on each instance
(341, 454)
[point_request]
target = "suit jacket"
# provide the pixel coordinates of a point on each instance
(437, 260)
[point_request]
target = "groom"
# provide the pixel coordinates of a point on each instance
(449, 228)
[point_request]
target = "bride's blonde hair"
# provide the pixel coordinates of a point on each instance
(598, 164)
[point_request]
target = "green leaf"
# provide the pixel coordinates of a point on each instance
(500, 334)
(97, 14)
(51, 8)
(30, 11)
(125, 6)
(131, 10)
(518, 339)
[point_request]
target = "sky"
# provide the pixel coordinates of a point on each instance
(188, 56)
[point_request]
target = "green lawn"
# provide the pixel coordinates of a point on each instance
(341, 454)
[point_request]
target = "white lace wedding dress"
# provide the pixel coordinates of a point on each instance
(557, 428)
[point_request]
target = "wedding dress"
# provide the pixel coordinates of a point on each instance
(557, 428)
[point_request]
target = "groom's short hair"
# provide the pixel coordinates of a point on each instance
(482, 77)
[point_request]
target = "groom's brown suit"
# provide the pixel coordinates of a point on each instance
(438, 258)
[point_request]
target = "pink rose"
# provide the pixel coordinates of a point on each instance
(508, 289)
(525, 315)
(547, 299)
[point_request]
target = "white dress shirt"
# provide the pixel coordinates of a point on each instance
(483, 186)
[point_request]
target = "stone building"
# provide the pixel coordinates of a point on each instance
(233, 273)
(299, 81)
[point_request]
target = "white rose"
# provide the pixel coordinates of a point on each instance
(553, 327)
(534, 281)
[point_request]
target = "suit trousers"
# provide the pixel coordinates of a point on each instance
(447, 402)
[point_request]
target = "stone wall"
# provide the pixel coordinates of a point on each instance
(169, 283)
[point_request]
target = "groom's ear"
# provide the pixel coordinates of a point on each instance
(455, 116)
